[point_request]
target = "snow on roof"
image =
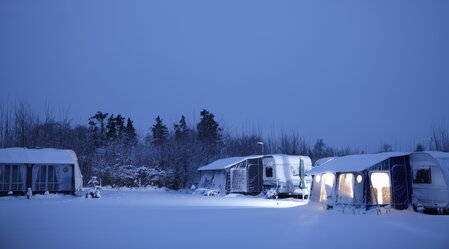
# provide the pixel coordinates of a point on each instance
(436, 154)
(37, 156)
(354, 163)
(323, 161)
(441, 157)
(282, 159)
(225, 163)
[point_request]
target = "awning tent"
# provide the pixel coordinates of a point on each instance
(364, 180)
(233, 175)
(47, 169)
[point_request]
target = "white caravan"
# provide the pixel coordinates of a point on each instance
(282, 175)
(430, 181)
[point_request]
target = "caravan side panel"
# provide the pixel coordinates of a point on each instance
(430, 187)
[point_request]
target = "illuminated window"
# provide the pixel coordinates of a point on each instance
(346, 187)
(359, 179)
(327, 185)
(380, 192)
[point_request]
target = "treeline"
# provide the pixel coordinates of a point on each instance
(169, 155)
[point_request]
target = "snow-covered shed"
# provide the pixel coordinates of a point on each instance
(430, 180)
(233, 175)
(364, 180)
(52, 170)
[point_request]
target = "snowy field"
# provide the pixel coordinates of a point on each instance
(161, 219)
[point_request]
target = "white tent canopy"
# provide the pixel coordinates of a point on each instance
(37, 156)
(354, 163)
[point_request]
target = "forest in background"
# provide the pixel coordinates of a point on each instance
(167, 155)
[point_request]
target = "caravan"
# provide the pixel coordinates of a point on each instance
(430, 181)
(285, 175)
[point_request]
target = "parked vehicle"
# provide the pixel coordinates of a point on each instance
(430, 181)
(285, 175)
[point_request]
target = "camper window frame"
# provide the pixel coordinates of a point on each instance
(266, 171)
(427, 180)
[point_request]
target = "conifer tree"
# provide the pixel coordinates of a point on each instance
(160, 132)
(208, 129)
(181, 130)
(131, 137)
(97, 128)
(120, 126)
(111, 128)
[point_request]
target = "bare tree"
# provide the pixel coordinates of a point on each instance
(440, 137)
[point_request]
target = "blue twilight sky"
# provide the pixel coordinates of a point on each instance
(356, 73)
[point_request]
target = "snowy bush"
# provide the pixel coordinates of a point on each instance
(134, 176)
(212, 192)
(207, 191)
(93, 182)
(95, 188)
(271, 194)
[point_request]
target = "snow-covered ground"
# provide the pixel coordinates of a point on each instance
(162, 219)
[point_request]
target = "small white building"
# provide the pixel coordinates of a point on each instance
(52, 170)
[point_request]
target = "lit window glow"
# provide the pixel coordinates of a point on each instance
(381, 184)
(359, 178)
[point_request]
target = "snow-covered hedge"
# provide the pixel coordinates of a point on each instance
(137, 176)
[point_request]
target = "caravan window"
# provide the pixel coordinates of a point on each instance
(422, 176)
(269, 171)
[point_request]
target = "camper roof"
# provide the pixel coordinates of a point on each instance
(441, 158)
(354, 163)
(225, 163)
(288, 159)
(436, 154)
(37, 156)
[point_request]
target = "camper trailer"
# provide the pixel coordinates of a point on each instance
(285, 175)
(40, 170)
(363, 181)
(430, 181)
